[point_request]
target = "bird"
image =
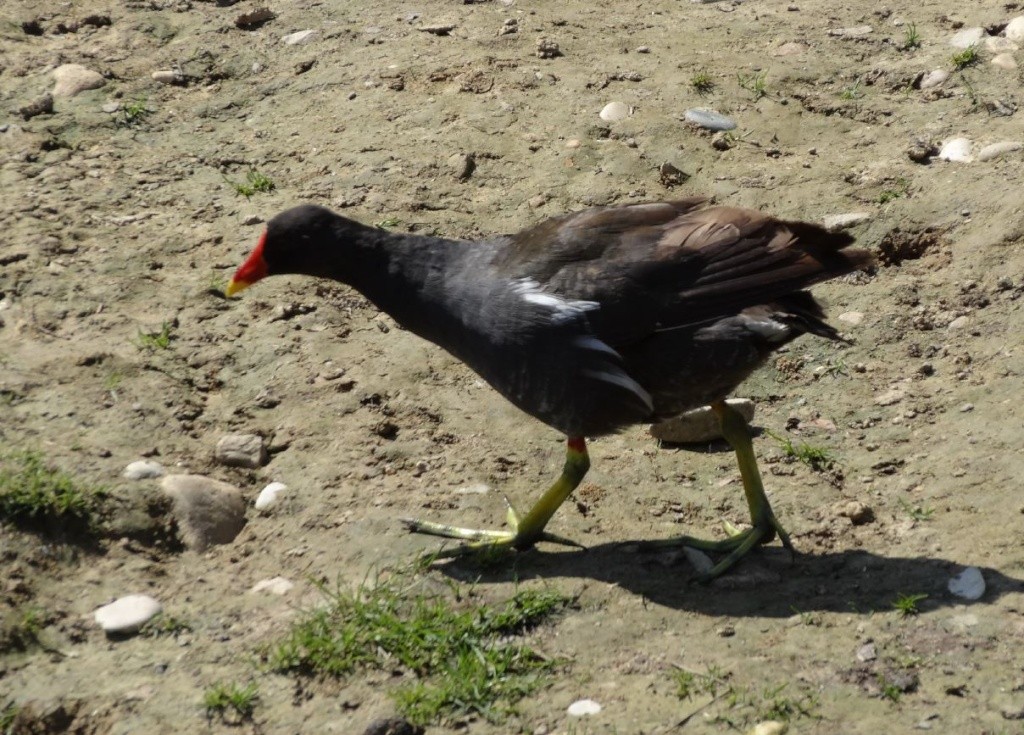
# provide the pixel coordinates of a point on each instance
(590, 322)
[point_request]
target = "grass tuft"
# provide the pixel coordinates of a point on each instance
(963, 59)
(230, 701)
(156, 340)
(906, 605)
(255, 182)
(34, 494)
(911, 37)
(815, 457)
(702, 82)
(464, 659)
(756, 84)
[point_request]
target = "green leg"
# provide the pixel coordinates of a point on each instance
(765, 526)
(526, 530)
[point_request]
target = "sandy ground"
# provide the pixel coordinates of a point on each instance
(116, 222)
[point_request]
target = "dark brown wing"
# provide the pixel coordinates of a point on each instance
(663, 265)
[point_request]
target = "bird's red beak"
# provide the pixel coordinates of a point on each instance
(252, 270)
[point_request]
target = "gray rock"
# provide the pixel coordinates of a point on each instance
(207, 511)
(274, 586)
(299, 37)
(967, 37)
(968, 584)
(708, 119)
(241, 450)
(1015, 29)
(846, 220)
(127, 614)
(143, 469)
(699, 425)
(72, 79)
(995, 150)
(934, 78)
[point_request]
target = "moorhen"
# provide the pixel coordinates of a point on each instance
(591, 321)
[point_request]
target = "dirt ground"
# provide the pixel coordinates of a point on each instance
(119, 217)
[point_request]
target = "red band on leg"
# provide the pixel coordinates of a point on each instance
(577, 443)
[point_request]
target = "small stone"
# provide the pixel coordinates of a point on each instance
(995, 150)
(614, 111)
(853, 318)
(708, 119)
(269, 495)
(867, 653)
(241, 450)
(957, 150)
(701, 562)
(207, 511)
(252, 219)
(583, 707)
(462, 165)
(934, 78)
(510, 26)
(275, 586)
(791, 48)
(968, 584)
(143, 469)
(966, 407)
(852, 32)
(111, 107)
(168, 76)
(1004, 61)
(438, 29)
(547, 49)
(643, 49)
(127, 614)
(699, 425)
(299, 37)
(768, 727)
(844, 221)
(670, 175)
(1015, 29)
(722, 141)
(858, 513)
(41, 106)
(254, 19)
(967, 37)
(72, 79)
(1000, 45)
(959, 323)
(889, 398)
(538, 200)
(392, 726)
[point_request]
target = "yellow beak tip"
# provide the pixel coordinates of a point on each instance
(234, 287)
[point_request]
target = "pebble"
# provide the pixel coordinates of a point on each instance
(966, 407)
(299, 37)
(789, 49)
(547, 49)
(959, 323)
(614, 111)
(268, 495)
(643, 49)
(583, 707)
(999, 45)
(1015, 29)
(43, 105)
(241, 450)
(700, 561)
(867, 653)
(168, 76)
(967, 37)
(111, 107)
(858, 513)
(995, 150)
(274, 585)
(853, 32)
(462, 165)
(72, 79)
(852, 318)
(708, 119)
(957, 150)
(143, 469)
(837, 222)
(1004, 61)
(437, 29)
(127, 614)
(968, 584)
(699, 425)
(934, 78)
(768, 727)
(889, 398)
(207, 511)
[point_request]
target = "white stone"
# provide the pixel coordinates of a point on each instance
(959, 323)
(967, 37)
(1015, 29)
(889, 398)
(836, 222)
(274, 585)
(768, 727)
(143, 469)
(71, 79)
(853, 32)
(583, 707)
(207, 511)
(127, 614)
(934, 78)
(614, 111)
(968, 584)
(957, 150)
(167, 76)
(699, 425)
(268, 495)
(995, 150)
(299, 37)
(709, 119)
(999, 45)
(852, 318)
(1004, 61)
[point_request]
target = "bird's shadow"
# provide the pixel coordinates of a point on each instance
(767, 584)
